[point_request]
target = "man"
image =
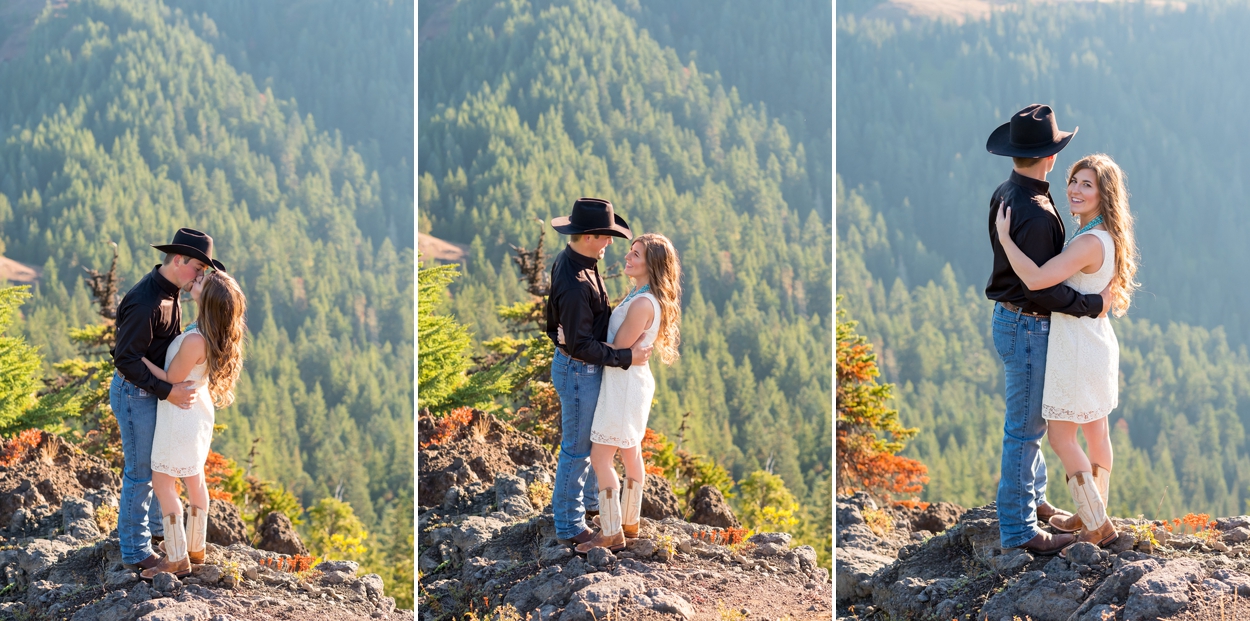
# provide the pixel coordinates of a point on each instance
(1021, 321)
(148, 319)
(578, 311)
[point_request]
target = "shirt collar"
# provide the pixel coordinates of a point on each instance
(580, 259)
(1036, 185)
(163, 283)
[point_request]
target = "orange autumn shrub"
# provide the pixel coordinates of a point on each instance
(449, 426)
(15, 448)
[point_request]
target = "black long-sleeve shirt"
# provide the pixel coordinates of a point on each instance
(579, 302)
(148, 319)
(1038, 231)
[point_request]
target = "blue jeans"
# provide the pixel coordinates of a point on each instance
(577, 384)
(1020, 341)
(138, 516)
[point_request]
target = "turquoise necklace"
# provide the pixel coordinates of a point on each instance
(1092, 223)
(643, 289)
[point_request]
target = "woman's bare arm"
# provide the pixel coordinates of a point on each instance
(1084, 253)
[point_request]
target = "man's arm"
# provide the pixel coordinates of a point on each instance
(134, 334)
(579, 333)
(1034, 237)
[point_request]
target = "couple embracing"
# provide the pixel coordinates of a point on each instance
(167, 385)
(1051, 330)
(599, 370)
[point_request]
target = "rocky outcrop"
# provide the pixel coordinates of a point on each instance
(277, 534)
(708, 507)
(492, 546)
(225, 524)
(60, 560)
(964, 573)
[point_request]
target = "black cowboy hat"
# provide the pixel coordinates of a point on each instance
(1032, 132)
(194, 244)
(592, 216)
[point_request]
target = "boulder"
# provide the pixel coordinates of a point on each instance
(1037, 597)
(225, 525)
(1163, 592)
(511, 495)
(277, 534)
(853, 568)
(710, 509)
(938, 517)
(658, 499)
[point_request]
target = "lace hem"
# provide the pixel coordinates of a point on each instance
(1050, 412)
(603, 438)
(189, 471)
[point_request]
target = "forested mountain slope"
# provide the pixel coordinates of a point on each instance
(1178, 434)
(1146, 83)
(523, 107)
(120, 123)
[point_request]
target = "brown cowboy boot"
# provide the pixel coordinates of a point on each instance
(177, 562)
(631, 508)
(1046, 544)
(1069, 523)
(1098, 529)
(197, 533)
(611, 537)
(1045, 511)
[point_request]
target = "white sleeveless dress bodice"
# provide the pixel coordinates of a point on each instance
(1082, 353)
(625, 394)
(180, 443)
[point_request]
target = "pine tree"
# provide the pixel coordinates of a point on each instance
(866, 459)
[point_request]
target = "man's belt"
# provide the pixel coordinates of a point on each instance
(566, 353)
(1016, 309)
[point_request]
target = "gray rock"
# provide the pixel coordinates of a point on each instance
(806, 556)
(277, 534)
(598, 600)
(166, 583)
(225, 524)
(1218, 587)
(1116, 587)
(710, 509)
(853, 569)
(658, 500)
(1035, 596)
(554, 553)
(207, 574)
(1232, 523)
(1237, 580)
(1162, 592)
(475, 531)
(641, 548)
(666, 601)
(348, 567)
(1010, 560)
(1083, 553)
(119, 579)
(336, 577)
(180, 611)
(78, 519)
(536, 474)
(451, 499)
(372, 584)
(781, 539)
(41, 554)
(771, 549)
(511, 496)
(1241, 534)
(600, 558)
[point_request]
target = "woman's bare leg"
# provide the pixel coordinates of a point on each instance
(632, 458)
(166, 493)
(1062, 436)
(1098, 439)
(601, 460)
(197, 490)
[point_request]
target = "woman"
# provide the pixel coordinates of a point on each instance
(210, 353)
(650, 313)
(1082, 360)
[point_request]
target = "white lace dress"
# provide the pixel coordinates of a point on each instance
(180, 444)
(1082, 354)
(625, 394)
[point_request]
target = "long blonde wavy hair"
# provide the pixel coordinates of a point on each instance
(221, 320)
(664, 271)
(1113, 205)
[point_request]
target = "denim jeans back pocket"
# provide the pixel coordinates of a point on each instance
(1004, 338)
(588, 370)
